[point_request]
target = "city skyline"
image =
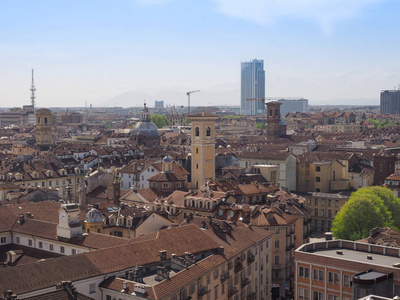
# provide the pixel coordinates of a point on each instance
(252, 87)
(327, 52)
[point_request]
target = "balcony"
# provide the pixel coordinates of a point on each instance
(251, 258)
(224, 276)
(277, 266)
(252, 296)
(238, 266)
(232, 291)
(245, 282)
(202, 291)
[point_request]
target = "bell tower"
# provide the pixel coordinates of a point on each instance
(203, 148)
(43, 128)
(274, 127)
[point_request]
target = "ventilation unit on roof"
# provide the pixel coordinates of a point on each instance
(339, 252)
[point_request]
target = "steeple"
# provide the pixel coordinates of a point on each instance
(144, 114)
(33, 89)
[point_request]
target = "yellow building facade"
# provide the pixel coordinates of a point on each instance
(203, 148)
(43, 127)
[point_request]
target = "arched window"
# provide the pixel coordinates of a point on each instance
(197, 131)
(208, 205)
(45, 120)
(317, 169)
(193, 203)
(317, 190)
(38, 120)
(184, 202)
(201, 204)
(208, 131)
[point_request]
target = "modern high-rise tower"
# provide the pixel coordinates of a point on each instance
(252, 87)
(390, 102)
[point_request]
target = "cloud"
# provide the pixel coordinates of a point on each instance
(323, 12)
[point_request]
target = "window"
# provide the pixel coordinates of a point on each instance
(316, 201)
(333, 278)
(18, 240)
(192, 288)
(336, 203)
(108, 297)
(329, 203)
(322, 202)
(318, 179)
(51, 247)
(277, 259)
(216, 292)
(30, 242)
(208, 278)
(197, 166)
(73, 251)
(316, 212)
(40, 245)
(317, 169)
(307, 183)
(197, 150)
(276, 243)
(318, 296)
(346, 280)
(222, 288)
(197, 131)
(322, 213)
(304, 294)
(333, 297)
(165, 185)
(208, 131)
(62, 249)
(318, 275)
(304, 272)
(329, 213)
(92, 288)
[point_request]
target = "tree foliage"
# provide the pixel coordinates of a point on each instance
(261, 126)
(367, 208)
(159, 120)
(379, 124)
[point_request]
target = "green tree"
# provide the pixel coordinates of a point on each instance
(367, 208)
(159, 120)
(261, 126)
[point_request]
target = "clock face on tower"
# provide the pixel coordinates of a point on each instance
(296, 151)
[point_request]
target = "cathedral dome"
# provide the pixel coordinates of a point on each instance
(145, 127)
(94, 216)
(167, 159)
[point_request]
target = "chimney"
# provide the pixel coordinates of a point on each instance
(221, 250)
(10, 296)
(21, 219)
(163, 255)
(125, 285)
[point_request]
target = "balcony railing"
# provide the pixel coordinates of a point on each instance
(245, 282)
(232, 291)
(251, 258)
(202, 291)
(252, 296)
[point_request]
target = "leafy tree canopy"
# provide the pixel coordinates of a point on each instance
(261, 126)
(380, 123)
(159, 120)
(367, 208)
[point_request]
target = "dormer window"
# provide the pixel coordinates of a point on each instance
(49, 173)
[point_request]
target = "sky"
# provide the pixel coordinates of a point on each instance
(330, 51)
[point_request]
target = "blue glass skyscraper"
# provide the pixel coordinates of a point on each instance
(252, 87)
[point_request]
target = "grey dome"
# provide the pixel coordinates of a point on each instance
(94, 216)
(283, 122)
(147, 129)
(167, 159)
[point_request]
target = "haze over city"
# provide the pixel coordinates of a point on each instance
(122, 53)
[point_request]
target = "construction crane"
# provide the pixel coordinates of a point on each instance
(188, 94)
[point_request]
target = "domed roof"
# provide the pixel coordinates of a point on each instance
(146, 129)
(94, 216)
(167, 159)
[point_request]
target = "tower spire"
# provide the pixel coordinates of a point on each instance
(33, 89)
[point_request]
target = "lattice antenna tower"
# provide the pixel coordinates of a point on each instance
(33, 89)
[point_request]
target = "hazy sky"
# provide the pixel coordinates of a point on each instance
(91, 50)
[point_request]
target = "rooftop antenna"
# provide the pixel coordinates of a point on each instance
(33, 89)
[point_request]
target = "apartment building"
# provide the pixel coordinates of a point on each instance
(340, 269)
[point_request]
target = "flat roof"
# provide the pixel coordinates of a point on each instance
(358, 256)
